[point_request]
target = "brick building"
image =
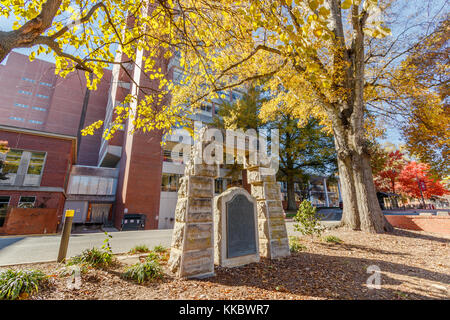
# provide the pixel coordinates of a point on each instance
(40, 117)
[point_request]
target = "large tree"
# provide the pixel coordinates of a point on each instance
(423, 80)
(392, 163)
(325, 57)
(415, 180)
(305, 150)
(304, 147)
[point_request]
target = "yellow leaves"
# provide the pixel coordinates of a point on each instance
(318, 32)
(314, 4)
(378, 32)
(89, 130)
(346, 4)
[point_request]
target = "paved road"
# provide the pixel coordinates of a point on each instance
(20, 249)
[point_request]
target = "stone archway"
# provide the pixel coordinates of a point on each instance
(192, 248)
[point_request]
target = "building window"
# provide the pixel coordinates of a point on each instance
(42, 96)
(17, 118)
(218, 185)
(28, 80)
(12, 161)
(28, 93)
(170, 182)
(167, 156)
(27, 202)
(206, 107)
(39, 108)
(46, 84)
(36, 163)
(177, 77)
(21, 105)
(4, 202)
(35, 121)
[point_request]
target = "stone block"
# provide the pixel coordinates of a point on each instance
(270, 209)
(260, 175)
(199, 236)
(200, 187)
(264, 248)
(277, 228)
(177, 236)
(273, 249)
(182, 190)
(266, 191)
(194, 210)
(202, 169)
(197, 263)
(279, 248)
(174, 260)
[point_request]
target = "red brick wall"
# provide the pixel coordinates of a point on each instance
(63, 107)
(59, 154)
(139, 185)
(18, 66)
(30, 221)
(421, 223)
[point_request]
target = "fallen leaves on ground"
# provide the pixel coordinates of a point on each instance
(413, 265)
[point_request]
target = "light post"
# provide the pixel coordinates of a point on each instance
(419, 182)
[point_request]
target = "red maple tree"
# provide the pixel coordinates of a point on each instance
(414, 174)
(386, 179)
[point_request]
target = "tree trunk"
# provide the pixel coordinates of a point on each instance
(350, 215)
(361, 209)
(291, 203)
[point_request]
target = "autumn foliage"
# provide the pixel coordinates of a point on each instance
(412, 174)
(386, 179)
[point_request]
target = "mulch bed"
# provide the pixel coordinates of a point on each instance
(414, 265)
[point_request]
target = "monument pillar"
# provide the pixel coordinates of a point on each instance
(192, 249)
(273, 238)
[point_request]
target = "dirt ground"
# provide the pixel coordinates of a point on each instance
(413, 265)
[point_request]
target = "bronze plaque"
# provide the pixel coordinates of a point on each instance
(240, 227)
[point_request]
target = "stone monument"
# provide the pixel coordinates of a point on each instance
(192, 249)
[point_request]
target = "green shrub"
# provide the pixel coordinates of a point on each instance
(153, 256)
(96, 258)
(142, 248)
(159, 249)
(308, 220)
(295, 245)
(13, 283)
(332, 239)
(143, 271)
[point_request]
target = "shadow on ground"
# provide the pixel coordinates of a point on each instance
(6, 242)
(330, 277)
